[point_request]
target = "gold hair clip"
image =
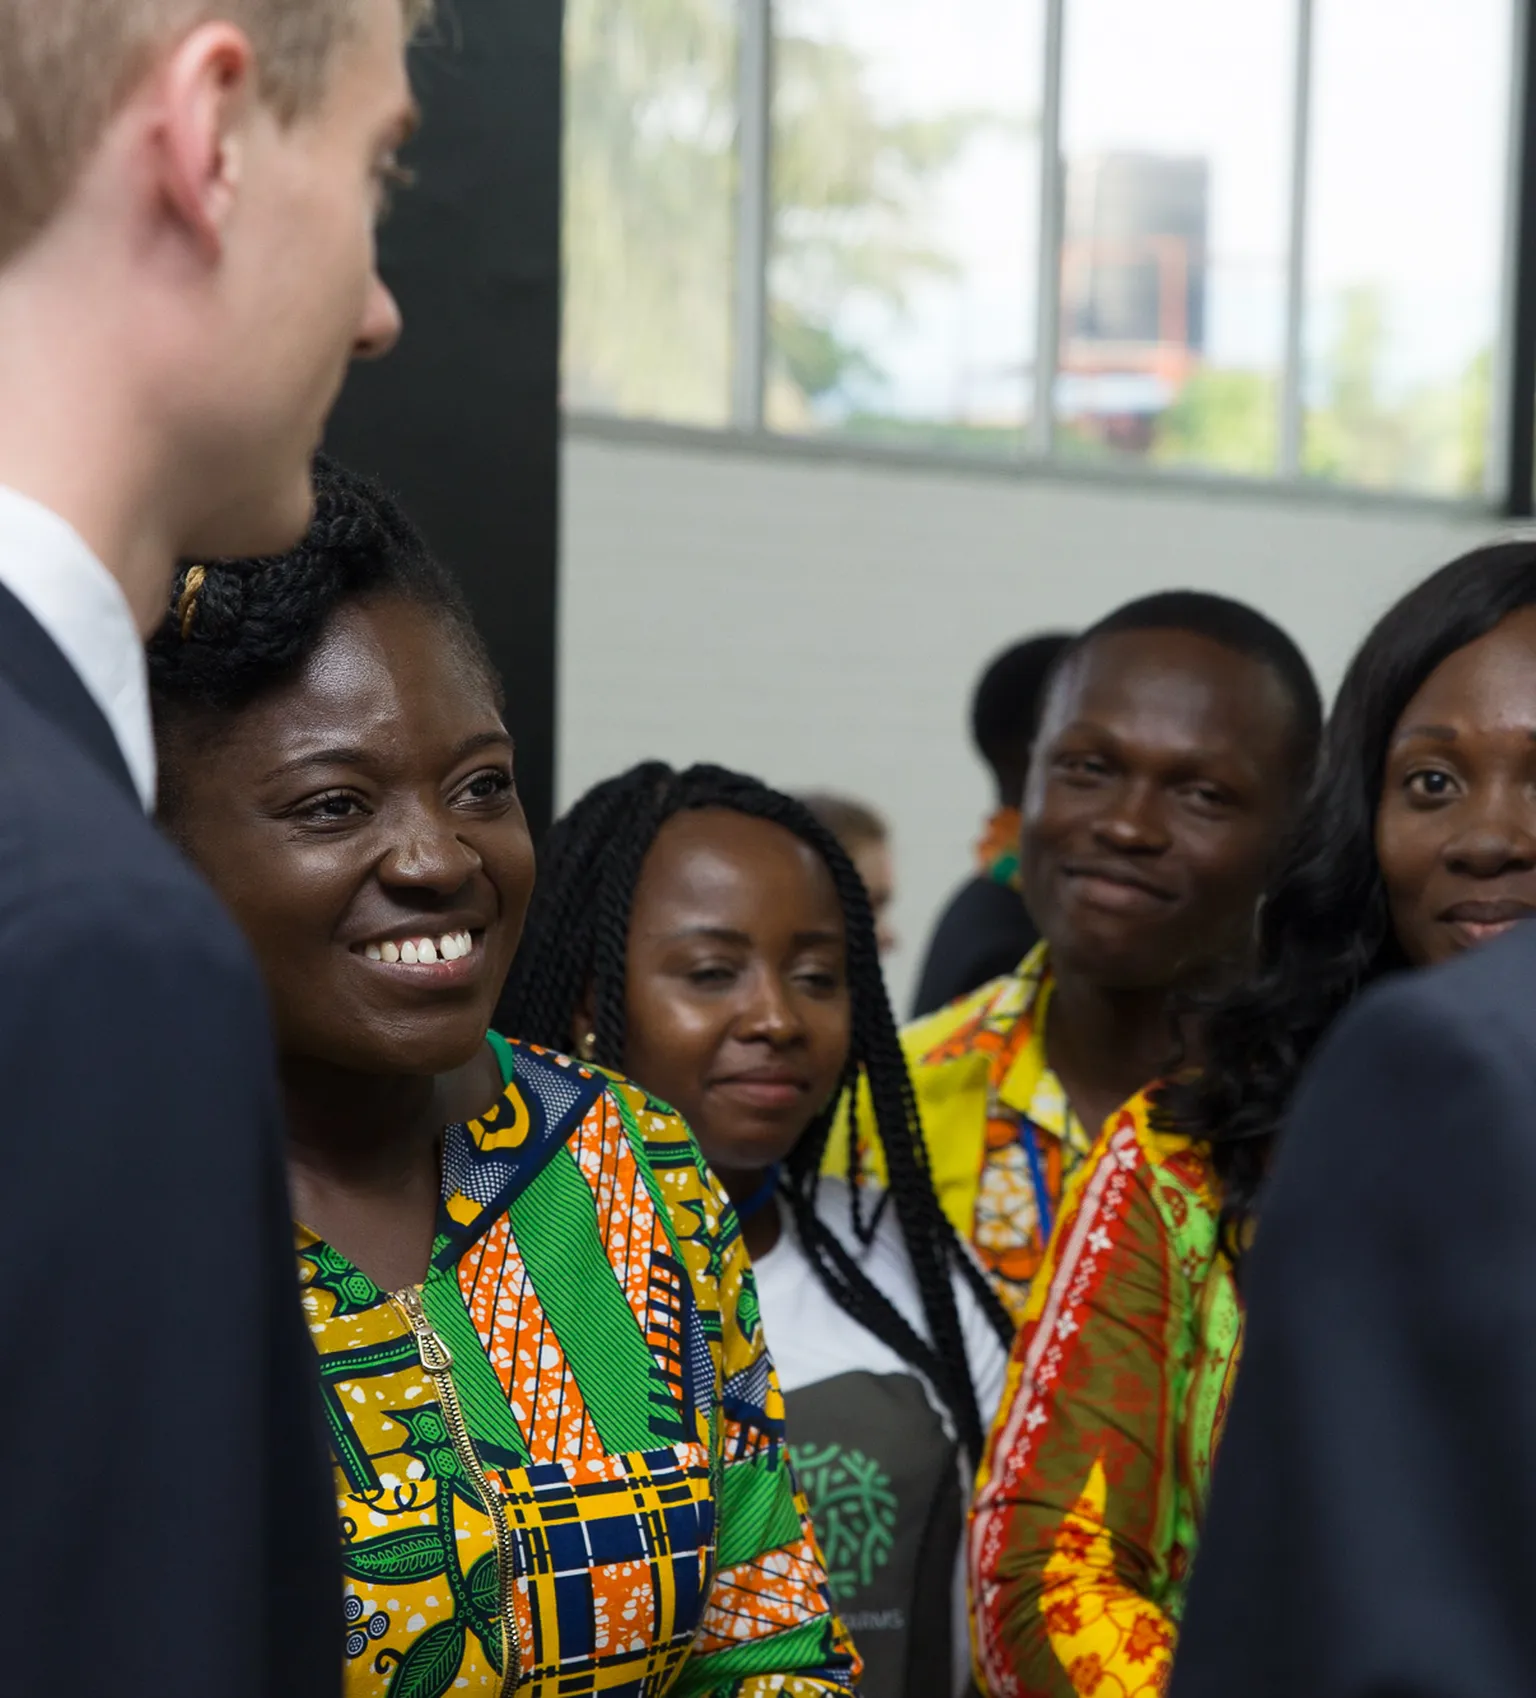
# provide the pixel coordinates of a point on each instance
(191, 589)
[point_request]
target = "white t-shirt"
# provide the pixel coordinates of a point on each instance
(851, 1399)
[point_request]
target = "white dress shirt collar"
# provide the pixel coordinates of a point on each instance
(48, 567)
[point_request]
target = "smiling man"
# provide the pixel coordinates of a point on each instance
(188, 196)
(1176, 738)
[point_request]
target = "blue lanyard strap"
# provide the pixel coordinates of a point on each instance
(1030, 1145)
(760, 1198)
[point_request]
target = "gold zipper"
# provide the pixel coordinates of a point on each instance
(437, 1363)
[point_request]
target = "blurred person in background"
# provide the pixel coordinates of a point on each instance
(986, 930)
(866, 839)
(188, 197)
(556, 1433)
(1176, 741)
(710, 937)
(1370, 1523)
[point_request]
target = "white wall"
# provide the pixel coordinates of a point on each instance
(821, 623)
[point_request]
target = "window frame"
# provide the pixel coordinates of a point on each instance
(1510, 478)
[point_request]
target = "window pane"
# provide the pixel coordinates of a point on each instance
(905, 205)
(1176, 132)
(1410, 108)
(649, 207)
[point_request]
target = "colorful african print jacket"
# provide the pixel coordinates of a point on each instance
(1090, 1498)
(997, 849)
(1002, 1139)
(560, 1461)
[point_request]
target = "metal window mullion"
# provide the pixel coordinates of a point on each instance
(1293, 355)
(754, 93)
(1042, 423)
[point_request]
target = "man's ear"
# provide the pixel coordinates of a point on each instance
(204, 95)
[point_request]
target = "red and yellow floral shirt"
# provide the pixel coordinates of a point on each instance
(1090, 1498)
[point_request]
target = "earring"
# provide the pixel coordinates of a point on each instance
(587, 1048)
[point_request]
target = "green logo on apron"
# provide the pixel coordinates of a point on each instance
(854, 1509)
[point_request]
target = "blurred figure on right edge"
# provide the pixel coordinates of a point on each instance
(986, 930)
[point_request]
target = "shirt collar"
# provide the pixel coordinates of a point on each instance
(1030, 1086)
(49, 568)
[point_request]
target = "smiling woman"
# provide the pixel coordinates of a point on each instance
(1419, 842)
(551, 1412)
(1456, 830)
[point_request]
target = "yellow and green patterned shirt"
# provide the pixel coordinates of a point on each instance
(560, 1462)
(1002, 1138)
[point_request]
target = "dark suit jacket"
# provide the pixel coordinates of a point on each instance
(1372, 1526)
(168, 1526)
(983, 933)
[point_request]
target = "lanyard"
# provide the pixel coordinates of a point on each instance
(1030, 1145)
(1026, 1135)
(760, 1198)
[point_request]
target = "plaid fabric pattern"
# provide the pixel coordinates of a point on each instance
(618, 1563)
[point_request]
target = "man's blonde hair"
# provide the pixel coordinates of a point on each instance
(67, 65)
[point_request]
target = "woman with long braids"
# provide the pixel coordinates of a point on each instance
(1418, 841)
(708, 937)
(558, 1441)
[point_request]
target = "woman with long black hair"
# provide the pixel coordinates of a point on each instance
(708, 937)
(1418, 841)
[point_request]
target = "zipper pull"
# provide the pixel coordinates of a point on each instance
(436, 1357)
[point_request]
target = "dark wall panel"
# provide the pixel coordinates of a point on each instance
(1521, 476)
(461, 420)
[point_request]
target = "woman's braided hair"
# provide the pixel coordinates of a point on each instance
(238, 628)
(574, 949)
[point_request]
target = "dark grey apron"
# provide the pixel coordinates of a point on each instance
(883, 1482)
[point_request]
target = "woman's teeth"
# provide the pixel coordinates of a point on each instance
(423, 951)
